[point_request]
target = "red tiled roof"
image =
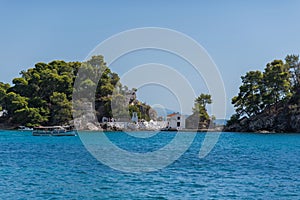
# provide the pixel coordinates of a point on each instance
(173, 114)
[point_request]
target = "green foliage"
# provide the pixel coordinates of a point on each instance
(261, 90)
(16, 102)
(141, 109)
(294, 65)
(135, 108)
(233, 119)
(30, 116)
(249, 99)
(29, 100)
(43, 94)
(276, 82)
(61, 108)
(3, 93)
(200, 106)
(204, 99)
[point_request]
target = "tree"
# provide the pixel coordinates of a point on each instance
(263, 90)
(249, 99)
(200, 118)
(276, 81)
(30, 116)
(43, 94)
(61, 109)
(200, 106)
(3, 93)
(294, 65)
(28, 100)
(204, 99)
(233, 119)
(15, 102)
(20, 86)
(20, 112)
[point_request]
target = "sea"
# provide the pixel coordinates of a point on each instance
(239, 166)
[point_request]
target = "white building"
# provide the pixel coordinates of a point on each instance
(3, 113)
(135, 117)
(176, 120)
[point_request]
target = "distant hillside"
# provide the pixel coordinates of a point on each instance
(163, 112)
(220, 121)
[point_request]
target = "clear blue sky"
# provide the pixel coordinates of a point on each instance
(239, 35)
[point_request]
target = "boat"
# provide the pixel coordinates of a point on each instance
(169, 129)
(54, 131)
(25, 128)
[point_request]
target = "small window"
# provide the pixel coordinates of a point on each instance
(178, 118)
(178, 124)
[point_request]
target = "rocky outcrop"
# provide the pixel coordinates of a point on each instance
(282, 117)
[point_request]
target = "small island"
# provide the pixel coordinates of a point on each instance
(269, 101)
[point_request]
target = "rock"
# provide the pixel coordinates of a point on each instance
(92, 127)
(284, 117)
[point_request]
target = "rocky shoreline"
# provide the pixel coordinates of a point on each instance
(280, 118)
(105, 128)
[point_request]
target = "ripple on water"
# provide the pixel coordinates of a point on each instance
(240, 166)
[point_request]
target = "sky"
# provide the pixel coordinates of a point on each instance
(238, 35)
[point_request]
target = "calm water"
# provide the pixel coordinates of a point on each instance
(241, 166)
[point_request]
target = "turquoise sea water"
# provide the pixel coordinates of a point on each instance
(241, 166)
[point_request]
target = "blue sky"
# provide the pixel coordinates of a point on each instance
(239, 35)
